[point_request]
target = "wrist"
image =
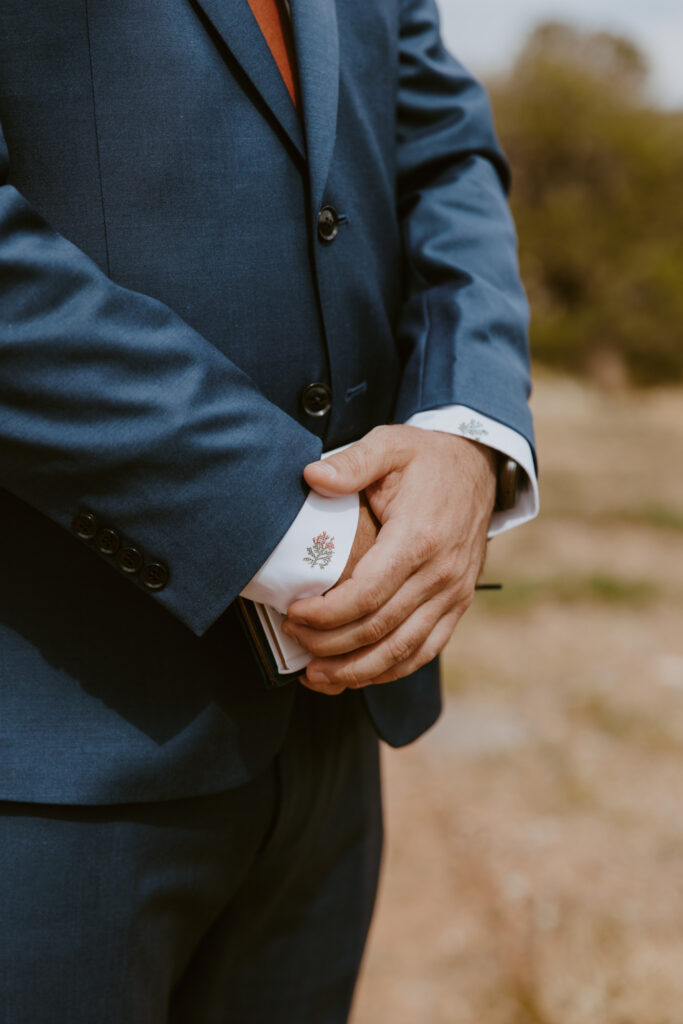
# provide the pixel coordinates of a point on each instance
(481, 463)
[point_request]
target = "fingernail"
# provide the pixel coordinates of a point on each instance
(287, 629)
(316, 676)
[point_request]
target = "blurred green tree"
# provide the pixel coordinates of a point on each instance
(597, 194)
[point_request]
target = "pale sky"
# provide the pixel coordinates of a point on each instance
(484, 34)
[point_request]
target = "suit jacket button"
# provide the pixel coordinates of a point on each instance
(84, 525)
(328, 224)
(316, 399)
(154, 575)
(129, 559)
(108, 542)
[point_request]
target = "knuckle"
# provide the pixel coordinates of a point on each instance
(401, 648)
(396, 564)
(349, 676)
(443, 575)
(379, 433)
(356, 459)
(372, 632)
(427, 543)
(372, 599)
(384, 440)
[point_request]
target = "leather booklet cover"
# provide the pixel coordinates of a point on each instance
(280, 658)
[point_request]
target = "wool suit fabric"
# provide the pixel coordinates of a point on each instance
(247, 906)
(165, 298)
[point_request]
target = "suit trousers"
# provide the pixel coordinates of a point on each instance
(248, 906)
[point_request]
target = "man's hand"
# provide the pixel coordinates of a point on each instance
(433, 495)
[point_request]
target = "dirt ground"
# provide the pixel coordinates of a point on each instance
(533, 870)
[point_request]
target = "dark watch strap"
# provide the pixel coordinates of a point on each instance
(508, 482)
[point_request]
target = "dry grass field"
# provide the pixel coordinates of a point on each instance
(533, 870)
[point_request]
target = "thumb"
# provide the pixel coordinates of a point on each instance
(354, 469)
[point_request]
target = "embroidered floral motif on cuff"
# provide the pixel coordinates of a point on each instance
(475, 429)
(321, 552)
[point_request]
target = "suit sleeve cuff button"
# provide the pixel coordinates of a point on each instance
(129, 560)
(154, 576)
(84, 525)
(107, 542)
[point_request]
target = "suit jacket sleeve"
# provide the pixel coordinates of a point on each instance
(111, 404)
(463, 327)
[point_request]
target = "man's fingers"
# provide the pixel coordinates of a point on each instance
(432, 646)
(355, 468)
(417, 589)
(361, 667)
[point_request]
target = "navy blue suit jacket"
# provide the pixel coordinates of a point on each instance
(164, 299)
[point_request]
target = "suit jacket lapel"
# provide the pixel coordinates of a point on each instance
(317, 49)
(237, 27)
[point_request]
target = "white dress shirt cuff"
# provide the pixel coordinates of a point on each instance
(465, 422)
(311, 556)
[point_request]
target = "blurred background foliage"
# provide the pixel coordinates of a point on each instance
(597, 174)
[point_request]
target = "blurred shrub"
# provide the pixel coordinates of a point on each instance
(598, 198)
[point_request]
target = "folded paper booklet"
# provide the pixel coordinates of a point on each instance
(280, 658)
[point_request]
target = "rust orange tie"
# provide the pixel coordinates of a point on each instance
(275, 24)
